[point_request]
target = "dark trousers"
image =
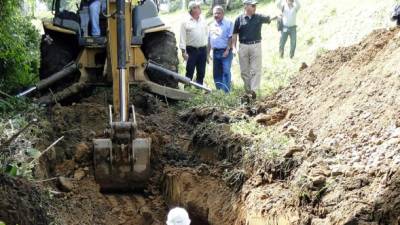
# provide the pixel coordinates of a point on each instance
(197, 60)
(288, 32)
(222, 69)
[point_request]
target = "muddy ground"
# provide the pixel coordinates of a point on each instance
(340, 125)
(181, 172)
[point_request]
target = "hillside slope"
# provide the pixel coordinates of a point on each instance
(344, 113)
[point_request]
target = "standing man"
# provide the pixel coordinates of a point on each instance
(193, 42)
(248, 28)
(289, 9)
(220, 41)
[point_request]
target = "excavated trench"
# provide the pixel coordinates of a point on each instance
(185, 173)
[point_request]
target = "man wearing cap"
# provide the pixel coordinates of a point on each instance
(220, 41)
(289, 10)
(193, 42)
(248, 28)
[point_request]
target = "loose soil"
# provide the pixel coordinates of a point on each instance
(340, 115)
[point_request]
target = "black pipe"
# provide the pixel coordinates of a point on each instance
(45, 83)
(153, 66)
(57, 76)
(121, 41)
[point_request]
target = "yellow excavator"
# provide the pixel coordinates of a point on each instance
(135, 47)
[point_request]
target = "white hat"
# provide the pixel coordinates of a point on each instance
(178, 216)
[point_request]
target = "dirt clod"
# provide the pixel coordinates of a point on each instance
(65, 184)
(65, 168)
(293, 149)
(82, 152)
(79, 174)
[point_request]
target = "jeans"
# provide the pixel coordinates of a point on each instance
(94, 10)
(197, 60)
(222, 69)
(285, 33)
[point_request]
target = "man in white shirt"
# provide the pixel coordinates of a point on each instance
(289, 9)
(193, 42)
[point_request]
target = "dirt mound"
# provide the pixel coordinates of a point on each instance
(344, 110)
(22, 203)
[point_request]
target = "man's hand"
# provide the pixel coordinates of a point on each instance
(209, 58)
(185, 56)
(226, 53)
(234, 51)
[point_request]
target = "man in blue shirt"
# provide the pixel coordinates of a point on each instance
(220, 41)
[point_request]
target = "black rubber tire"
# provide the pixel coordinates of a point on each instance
(56, 51)
(160, 47)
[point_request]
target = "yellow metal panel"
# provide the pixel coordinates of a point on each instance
(156, 29)
(112, 49)
(49, 25)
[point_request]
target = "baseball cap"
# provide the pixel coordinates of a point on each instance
(249, 2)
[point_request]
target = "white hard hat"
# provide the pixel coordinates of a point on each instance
(178, 216)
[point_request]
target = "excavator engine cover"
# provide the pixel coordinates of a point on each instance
(122, 167)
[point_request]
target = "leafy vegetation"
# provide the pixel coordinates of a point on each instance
(19, 48)
(19, 132)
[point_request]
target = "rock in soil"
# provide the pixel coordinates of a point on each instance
(79, 174)
(289, 153)
(65, 184)
(65, 168)
(82, 152)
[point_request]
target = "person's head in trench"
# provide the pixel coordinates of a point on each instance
(178, 216)
(250, 7)
(194, 9)
(218, 13)
(290, 2)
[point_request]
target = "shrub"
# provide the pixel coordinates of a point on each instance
(19, 48)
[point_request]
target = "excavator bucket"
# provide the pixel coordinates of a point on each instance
(122, 167)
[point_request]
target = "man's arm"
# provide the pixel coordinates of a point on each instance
(266, 19)
(235, 33)
(297, 5)
(182, 42)
(229, 44)
(279, 4)
(208, 48)
(234, 42)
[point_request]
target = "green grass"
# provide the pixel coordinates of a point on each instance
(267, 142)
(322, 25)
